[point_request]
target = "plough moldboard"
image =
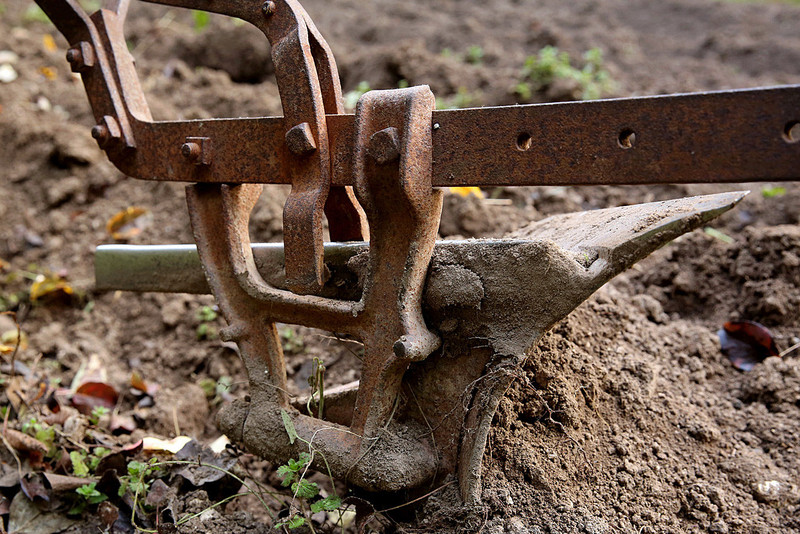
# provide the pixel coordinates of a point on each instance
(445, 324)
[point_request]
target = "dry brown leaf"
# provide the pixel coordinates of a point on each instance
(49, 73)
(15, 391)
(24, 442)
(128, 223)
(8, 341)
(51, 285)
(138, 383)
(467, 191)
(61, 417)
(49, 43)
(62, 483)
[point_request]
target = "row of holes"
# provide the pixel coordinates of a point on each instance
(627, 137)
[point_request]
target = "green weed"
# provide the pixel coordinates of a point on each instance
(462, 99)
(474, 55)
(206, 330)
(291, 342)
(201, 19)
(97, 413)
(293, 476)
(551, 64)
(351, 97)
(88, 496)
(770, 192)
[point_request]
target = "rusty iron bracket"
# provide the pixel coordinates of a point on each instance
(445, 326)
(393, 185)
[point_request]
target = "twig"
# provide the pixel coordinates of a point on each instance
(790, 349)
(175, 421)
(13, 316)
(417, 499)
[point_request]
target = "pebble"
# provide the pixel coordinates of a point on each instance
(7, 56)
(7, 73)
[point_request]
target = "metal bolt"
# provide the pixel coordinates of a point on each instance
(401, 348)
(197, 150)
(384, 145)
(74, 55)
(100, 134)
(81, 57)
(300, 140)
(107, 131)
(268, 8)
(191, 151)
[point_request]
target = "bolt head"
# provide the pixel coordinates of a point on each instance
(107, 131)
(190, 151)
(100, 133)
(400, 348)
(384, 145)
(81, 57)
(74, 56)
(300, 140)
(268, 8)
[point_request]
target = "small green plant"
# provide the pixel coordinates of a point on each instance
(206, 330)
(770, 192)
(551, 64)
(462, 99)
(84, 464)
(98, 412)
(717, 234)
(293, 476)
(140, 476)
(351, 97)
(201, 19)
(79, 467)
(88, 496)
(474, 55)
(42, 432)
(292, 343)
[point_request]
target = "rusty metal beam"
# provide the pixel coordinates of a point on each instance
(727, 136)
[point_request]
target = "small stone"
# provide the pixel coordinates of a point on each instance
(564, 507)
(7, 73)
(771, 491)
(516, 525)
(7, 56)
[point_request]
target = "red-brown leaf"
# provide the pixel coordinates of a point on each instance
(746, 343)
(92, 394)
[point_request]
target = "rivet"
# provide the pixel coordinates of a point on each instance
(268, 8)
(300, 140)
(384, 145)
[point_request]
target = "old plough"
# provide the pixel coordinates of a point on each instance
(445, 324)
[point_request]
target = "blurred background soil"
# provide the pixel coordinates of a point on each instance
(627, 417)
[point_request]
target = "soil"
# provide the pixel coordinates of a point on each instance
(627, 417)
